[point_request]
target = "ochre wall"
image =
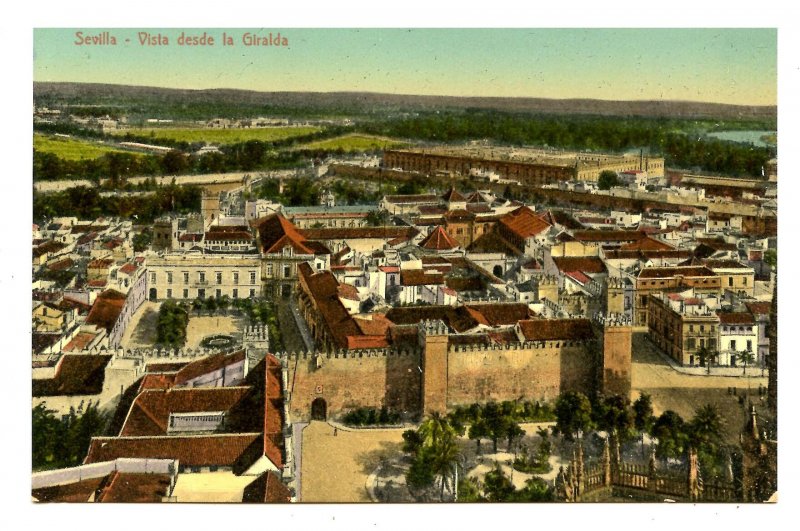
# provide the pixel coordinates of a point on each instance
(346, 383)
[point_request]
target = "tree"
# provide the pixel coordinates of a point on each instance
(437, 454)
(643, 412)
(771, 258)
(705, 428)
(615, 416)
(477, 431)
(497, 487)
(573, 414)
(746, 357)
(607, 180)
(412, 441)
(707, 357)
(670, 430)
(512, 431)
(377, 218)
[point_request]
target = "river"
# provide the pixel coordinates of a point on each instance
(744, 137)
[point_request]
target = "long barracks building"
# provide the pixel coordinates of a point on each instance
(526, 165)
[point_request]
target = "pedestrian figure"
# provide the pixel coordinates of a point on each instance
(335, 432)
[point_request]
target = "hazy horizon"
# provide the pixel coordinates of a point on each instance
(727, 66)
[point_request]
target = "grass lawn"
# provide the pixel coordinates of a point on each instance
(222, 136)
(355, 142)
(71, 148)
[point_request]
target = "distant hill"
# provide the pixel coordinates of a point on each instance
(371, 102)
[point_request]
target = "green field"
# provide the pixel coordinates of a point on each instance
(355, 143)
(222, 136)
(71, 148)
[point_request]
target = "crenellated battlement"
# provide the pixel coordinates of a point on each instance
(346, 354)
(522, 346)
(611, 319)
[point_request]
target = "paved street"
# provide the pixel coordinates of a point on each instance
(684, 393)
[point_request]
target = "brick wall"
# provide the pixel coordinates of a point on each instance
(531, 374)
(376, 380)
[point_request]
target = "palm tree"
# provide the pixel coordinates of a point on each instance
(706, 427)
(436, 429)
(747, 357)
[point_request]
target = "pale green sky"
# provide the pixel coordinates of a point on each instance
(714, 65)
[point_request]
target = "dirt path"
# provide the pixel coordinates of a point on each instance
(141, 331)
(335, 468)
(684, 393)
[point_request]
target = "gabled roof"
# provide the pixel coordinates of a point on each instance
(48, 247)
(439, 240)
(150, 412)
(453, 195)
(128, 268)
(350, 233)
(276, 232)
(207, 365)
(106, 309)
(100, 263)
(236, 450)
(556, 329)
(647, 244)
(267, 488)
(524, 222)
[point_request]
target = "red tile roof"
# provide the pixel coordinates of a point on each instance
(276, 232)
(669, 272)
(77, 492)
(49, 247)
(79, 342)
(453, 195)
(100, 263)
(524, 222)
(190, 450)
(586, 264)
(579, 277)
(207, 365)
(420, 277)
(76, 374)
(129, 268)
(240, 236)
(759, 308)
(647, 244)
(150, 412)
(267, 488)
(106, 309)
(353, 233)
(190, 237)
(61, 265)
(133, 488)
(322, 288)
(608, 235)
(347, 291)
(439, 240)
(556, 329)
(736, 318)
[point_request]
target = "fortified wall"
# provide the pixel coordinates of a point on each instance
(439, 375)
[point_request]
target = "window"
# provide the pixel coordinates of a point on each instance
(690, 343)
(702, 328)
(252, 293)
(730, 282)
(169, 293)
(201, 276)
(201, 293)
(169, 277)
(269, 270)
(287, 271)
(691, 328)
(749, 346)
(702, 342)
(185, 277)
(235, 293)
(186, 294)
(252, 277)
(235, 277)
(218, 293)
(744, 281)
(219, 277)
(733, 344)
(152, 278)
